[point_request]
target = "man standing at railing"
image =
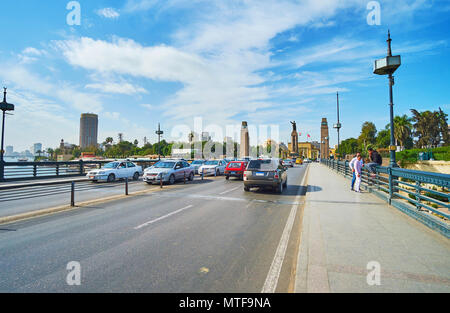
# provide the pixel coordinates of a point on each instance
(375, 160)
(358, 172)
(352, 167)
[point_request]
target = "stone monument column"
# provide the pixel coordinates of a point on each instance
(244, 150)
(294, 138)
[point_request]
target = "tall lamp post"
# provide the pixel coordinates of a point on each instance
(159, 132)
(4, 106)
(338, 126)
(387, 66)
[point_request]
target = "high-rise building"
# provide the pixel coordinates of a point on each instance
(9, 150)
(324, 139)
(37, 147)
(88, 130)
(245, 141)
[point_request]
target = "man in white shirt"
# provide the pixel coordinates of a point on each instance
(352, 167)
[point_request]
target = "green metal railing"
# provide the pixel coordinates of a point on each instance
(421, 190)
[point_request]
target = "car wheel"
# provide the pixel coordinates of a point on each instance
(191, 176)
(111, 178)
(172, 179)
(136, 176)
(246, 189)
(227, 177)
(285, 184)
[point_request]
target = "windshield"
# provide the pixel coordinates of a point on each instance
(164, 165)
(211, 162)
(197, 162)
(235, 165)
(111, 165)
(260, 165)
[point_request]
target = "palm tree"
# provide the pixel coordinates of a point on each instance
(50, 152)
(402, 129)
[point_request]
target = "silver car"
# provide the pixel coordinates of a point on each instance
(196, 165)
(168, 171)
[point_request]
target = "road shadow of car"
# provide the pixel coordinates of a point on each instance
(291, 190)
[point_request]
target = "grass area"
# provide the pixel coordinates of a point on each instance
(412, 155)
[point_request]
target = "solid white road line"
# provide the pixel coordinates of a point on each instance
(163, 217)
(270, 285)
(222, 193)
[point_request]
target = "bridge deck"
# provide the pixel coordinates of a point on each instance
(343, 231)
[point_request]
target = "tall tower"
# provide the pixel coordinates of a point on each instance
(324, 139)
(88, 130)
(245, 141)
(294, 139)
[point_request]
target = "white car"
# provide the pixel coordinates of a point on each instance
(115, 170)
(213, 167)
(287, 163)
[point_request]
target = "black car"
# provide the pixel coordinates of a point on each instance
(265, 173)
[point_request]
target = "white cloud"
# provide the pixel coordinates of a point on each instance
(119, 88)
(108, 13)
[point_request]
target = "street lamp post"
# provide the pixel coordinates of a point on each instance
(159, 132)
(387, 66)
(338, 126)
(4, 106)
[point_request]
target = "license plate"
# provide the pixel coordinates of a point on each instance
(259, 174)
(91, 177)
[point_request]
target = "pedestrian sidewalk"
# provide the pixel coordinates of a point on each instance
(344, 231)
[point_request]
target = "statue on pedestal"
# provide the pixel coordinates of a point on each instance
(294, 137)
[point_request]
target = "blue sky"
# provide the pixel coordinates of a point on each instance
(140, 62)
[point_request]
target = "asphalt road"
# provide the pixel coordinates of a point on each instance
(209, 236)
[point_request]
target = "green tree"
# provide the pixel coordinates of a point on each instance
(368, 135)
(402, 130)
(348, 147)
(383, 139)
(426, 128)
(443, 126)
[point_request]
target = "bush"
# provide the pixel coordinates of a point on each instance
(412, 155)
(437, 197)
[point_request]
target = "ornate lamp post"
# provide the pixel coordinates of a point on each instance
(338, 126)
(387, 66)
(159, 132)
(4, 106)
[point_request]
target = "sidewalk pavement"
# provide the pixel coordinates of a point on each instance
(343, 231)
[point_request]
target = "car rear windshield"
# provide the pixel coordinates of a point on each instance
(197, 162)
(235, 165)
(260, 165)
(211, 162)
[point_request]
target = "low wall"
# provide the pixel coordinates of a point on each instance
(442, 167)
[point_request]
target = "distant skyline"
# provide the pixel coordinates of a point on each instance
(139, 62)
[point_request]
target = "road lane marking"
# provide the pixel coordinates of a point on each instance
(271, 282)
(163, 217)
(227, 191)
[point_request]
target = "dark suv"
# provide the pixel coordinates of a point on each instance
(265, 173)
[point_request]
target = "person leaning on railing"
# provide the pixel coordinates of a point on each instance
(375, 160)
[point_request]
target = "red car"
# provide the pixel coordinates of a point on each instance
(236, 169)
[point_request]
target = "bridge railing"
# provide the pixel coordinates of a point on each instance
(424, 191)
(15, 171)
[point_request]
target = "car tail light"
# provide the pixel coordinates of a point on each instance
(276, 175)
